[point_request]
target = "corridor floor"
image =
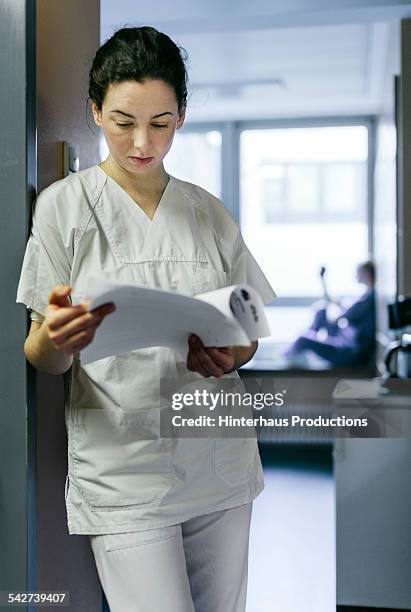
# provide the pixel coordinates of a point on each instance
(292, 542)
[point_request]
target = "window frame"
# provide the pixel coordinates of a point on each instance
(321, 214)
(208, 127)
(230, 166)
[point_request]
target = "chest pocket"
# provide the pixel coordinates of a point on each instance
(207, 278)
(185, 277)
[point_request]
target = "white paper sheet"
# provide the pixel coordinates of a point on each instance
(146, 317)
(356, 388)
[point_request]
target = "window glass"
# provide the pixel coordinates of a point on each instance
(196, 157)
(304, 205)
(193, 157)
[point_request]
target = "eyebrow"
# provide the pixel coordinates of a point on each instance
(132, 116)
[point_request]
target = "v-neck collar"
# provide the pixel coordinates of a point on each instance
(131, 200)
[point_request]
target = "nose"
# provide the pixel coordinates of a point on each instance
(141, 141)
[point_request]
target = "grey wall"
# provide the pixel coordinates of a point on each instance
(17, 181)
(373, 522)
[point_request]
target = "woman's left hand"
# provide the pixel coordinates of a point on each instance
(209, 361)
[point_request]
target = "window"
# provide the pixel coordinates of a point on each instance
(196, 157)
(308, 192)
(304, 205)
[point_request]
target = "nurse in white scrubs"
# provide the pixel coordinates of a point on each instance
(168, 519)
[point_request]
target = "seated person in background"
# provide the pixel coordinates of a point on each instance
(343, 336)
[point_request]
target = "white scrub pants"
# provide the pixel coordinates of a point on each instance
(199, 565)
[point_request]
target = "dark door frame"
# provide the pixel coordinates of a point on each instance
(18, 178)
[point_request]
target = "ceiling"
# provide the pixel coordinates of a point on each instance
(271, 59)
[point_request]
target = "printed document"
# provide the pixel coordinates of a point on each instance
(145, 317)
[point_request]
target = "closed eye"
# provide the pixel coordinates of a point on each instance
(155, 125)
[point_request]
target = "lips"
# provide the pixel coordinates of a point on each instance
(141, 161)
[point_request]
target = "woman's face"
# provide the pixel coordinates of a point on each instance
(139, 121)
(362, 275)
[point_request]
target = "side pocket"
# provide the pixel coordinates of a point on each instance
(137, 378)
(236, 459)
(66, 488)
(119, 459)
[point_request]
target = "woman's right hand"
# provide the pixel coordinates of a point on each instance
(72, 328)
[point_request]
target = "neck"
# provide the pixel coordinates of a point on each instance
(153, 181)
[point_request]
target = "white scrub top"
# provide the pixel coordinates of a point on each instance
(121, 475)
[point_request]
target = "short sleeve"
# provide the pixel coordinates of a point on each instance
(47, 260)
(245, 269)
(36, 316)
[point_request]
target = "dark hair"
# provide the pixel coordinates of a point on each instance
(369, 267)
(138, 54)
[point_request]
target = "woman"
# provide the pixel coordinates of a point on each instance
(341, 334)
(168, 520)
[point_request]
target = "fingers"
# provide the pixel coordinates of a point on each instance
(194, 364)
(222, 356)
(59, 295)
(72, 329)
(58, 316)
(201, 361)
(77, 330)
(78, 324)
(76, 342)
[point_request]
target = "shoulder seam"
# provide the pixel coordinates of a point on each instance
(88, 215)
